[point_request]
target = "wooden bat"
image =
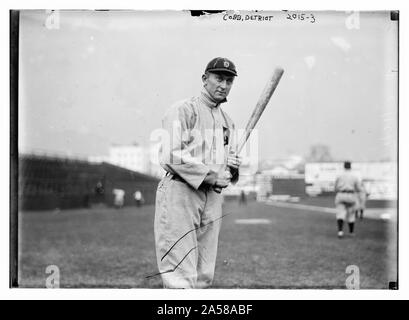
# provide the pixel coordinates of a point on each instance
(261, 105)
(259, 109)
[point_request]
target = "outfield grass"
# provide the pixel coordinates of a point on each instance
(115, 248)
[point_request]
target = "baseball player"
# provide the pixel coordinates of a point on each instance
(119, 198)
(347, 187)
(139, 200)
(361, 205)
(188, 212)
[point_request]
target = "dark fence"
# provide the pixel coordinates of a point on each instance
(50, 183)
(289, 186)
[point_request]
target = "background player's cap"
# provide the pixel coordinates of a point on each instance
(221, 65)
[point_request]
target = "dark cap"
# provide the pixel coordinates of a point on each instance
(221, 65)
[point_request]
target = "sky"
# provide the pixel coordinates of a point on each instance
(92, 79)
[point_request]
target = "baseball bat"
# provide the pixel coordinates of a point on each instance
(261, 105)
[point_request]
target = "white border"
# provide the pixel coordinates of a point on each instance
(147, 294)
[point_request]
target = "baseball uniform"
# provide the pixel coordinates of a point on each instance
(187, 213)
(347, 187)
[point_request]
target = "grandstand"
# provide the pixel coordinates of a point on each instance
(61, 183)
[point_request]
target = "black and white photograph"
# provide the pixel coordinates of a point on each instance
(204, 149)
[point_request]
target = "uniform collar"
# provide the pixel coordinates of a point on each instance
(208, 100)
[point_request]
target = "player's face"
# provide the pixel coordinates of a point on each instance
(218, 85)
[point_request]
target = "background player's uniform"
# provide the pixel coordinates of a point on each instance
(361, 205)
(119, 197)
(138, 198)
(347, 187)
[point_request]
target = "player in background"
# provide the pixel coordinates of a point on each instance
(362, 196)
(138, 197)
(119, 198)
(347, 188)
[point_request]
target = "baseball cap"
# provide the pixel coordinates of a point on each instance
(221, 65)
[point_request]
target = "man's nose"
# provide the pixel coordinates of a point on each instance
(223, 84)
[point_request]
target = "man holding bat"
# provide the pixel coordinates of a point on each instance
(200, 159)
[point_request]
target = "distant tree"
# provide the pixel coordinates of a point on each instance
(319, 153)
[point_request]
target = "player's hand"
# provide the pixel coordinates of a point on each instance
(234, 161)
(222, 181)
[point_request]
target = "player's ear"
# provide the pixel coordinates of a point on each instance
(204, 78)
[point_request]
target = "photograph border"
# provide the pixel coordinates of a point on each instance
(13, 165)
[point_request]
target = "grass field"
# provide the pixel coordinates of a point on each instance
(115, 248)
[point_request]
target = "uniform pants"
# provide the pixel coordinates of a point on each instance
(346, 205)
(362, 201)
(180, 209)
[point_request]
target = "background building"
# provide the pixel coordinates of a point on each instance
(379, 178)
(135, 157)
